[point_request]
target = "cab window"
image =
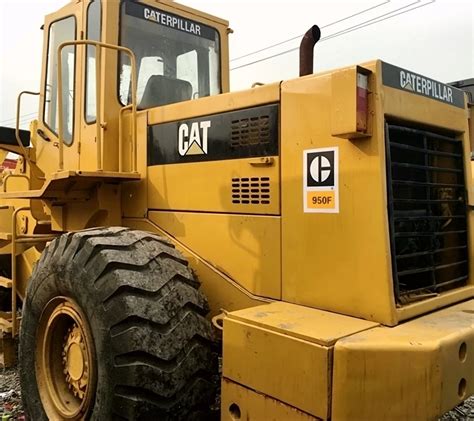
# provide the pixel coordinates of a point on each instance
(177, 58)
(93, 34)
(59, 32)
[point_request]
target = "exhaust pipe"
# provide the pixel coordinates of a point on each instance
(307, 50)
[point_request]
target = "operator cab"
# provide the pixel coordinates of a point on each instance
(180, 54)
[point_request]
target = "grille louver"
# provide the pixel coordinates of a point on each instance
(251, 191)
(250, 131)
(427, 212)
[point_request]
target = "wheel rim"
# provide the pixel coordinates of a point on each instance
(65, 360)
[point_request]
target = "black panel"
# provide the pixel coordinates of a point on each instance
(467, 85)
(402, 79)
(427, 212)
(7, 137)
(169, 20)
(252, 132)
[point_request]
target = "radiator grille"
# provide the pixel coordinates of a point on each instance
(427, 212)
(250, 131)
(251, 191)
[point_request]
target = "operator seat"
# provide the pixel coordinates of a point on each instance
(162, 90)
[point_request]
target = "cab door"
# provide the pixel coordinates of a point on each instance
(64, 25)
(100, 112)
(89, 159)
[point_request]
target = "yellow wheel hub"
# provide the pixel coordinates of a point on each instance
(65, 361)
(75, 362)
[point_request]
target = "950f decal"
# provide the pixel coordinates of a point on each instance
(321, 180)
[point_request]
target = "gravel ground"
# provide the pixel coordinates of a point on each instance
(10, 400)
(10, 397)
(462, 412)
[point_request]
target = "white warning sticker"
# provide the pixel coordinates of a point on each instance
(321, 180)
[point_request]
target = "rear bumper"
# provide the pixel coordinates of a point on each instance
(288, 362)
(415, 371)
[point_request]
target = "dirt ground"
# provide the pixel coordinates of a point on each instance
(10, 396)
(10, 401)
(463, 412)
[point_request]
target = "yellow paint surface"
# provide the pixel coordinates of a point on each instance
(285, 351)
(255, 406)
(251, 240)
(189, 187)
(414, 371)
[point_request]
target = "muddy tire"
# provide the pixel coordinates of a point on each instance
(152, 355)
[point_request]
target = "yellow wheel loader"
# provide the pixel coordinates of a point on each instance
(301, 250)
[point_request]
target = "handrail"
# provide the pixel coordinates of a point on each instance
(99, 46)
(17, 124)
(17, 129)
(122, 111)
(14, 175)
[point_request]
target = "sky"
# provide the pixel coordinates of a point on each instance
(431, 37)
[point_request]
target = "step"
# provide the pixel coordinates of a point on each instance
(5, 236)
(5, 282)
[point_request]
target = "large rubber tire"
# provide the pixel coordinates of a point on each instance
(155, 353)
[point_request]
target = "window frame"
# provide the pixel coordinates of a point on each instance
(67, 143)
(196, 63)
(86, 66)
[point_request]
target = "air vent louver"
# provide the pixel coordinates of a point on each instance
(250, 131)
(251, 191)
(427, 212)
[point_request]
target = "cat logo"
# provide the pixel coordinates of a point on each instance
(192, 139)
(408, 86)
(320, 168)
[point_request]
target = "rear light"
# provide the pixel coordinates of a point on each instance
(362, 104)
(350, 108)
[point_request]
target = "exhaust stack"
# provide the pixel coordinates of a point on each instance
(308, 42)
